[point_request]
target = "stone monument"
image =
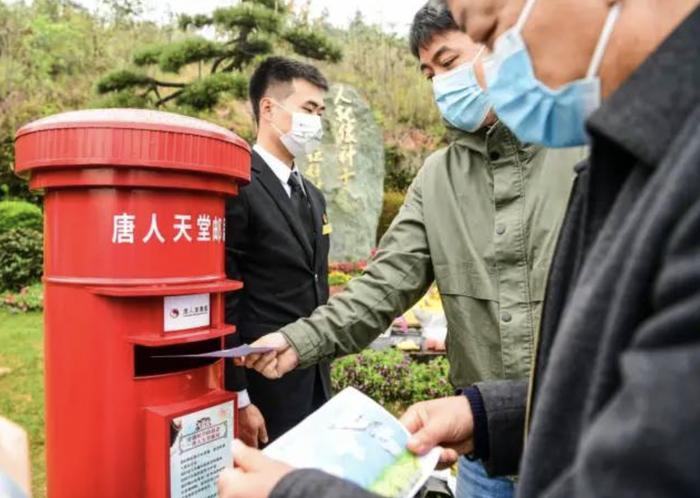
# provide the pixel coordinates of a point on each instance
(349, 169)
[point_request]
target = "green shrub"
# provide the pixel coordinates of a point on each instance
(28, 299)
(21, 258)
(390, 208)
(352, 268)
(392, 378)
(338, 278)
(401, 167)
(20, 214)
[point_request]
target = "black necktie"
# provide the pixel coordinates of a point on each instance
(301, 205)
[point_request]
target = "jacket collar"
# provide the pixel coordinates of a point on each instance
(486, 139)
(649, 110)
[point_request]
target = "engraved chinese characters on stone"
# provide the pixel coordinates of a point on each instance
(349, 169)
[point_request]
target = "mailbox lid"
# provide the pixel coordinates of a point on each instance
(131, 138)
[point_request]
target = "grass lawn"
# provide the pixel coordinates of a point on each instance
(22, 389)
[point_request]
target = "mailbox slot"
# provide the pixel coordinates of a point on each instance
(147, 362)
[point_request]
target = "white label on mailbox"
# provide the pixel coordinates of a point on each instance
(200, 448)
(186, 312)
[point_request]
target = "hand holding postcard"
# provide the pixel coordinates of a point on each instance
(355, 438)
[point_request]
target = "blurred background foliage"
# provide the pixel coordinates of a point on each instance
(50, 54)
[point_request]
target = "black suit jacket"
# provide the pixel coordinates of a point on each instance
(285, 277)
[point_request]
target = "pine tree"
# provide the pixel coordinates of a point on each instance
(246, 32)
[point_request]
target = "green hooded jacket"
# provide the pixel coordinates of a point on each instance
(481, 219)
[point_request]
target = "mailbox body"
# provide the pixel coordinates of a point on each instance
(134, 269)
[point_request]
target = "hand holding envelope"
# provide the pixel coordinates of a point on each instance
(279, 359)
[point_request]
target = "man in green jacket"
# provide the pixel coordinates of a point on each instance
(481, 219)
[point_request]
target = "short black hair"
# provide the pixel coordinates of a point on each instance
(276, 70)
(431, 20)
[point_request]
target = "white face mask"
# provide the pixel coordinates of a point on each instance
(460, 98)
(305, 135)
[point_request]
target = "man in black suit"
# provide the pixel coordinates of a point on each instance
(277, 245)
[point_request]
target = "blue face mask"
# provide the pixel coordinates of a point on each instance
(533, 111)
(461, 100)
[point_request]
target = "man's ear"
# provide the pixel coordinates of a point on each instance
(266, 109)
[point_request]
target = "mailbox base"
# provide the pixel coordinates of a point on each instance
(188, 444)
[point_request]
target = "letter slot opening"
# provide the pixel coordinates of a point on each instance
(147, 363)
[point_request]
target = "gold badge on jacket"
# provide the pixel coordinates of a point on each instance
(327, 227)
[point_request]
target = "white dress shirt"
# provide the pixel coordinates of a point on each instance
(279, 168)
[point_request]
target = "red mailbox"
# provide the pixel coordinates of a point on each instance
(134, 270)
